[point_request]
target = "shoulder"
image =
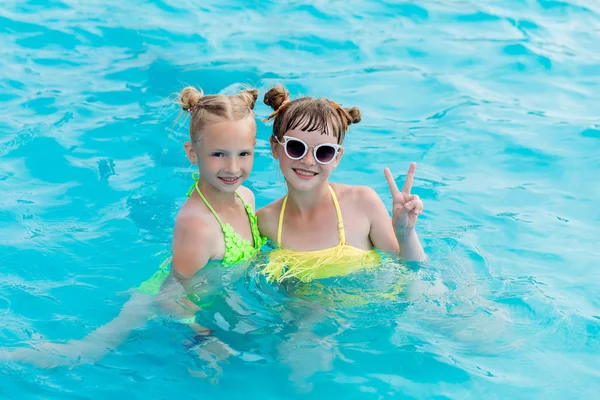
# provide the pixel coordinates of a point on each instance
(191, 222)
(361, 200)
(271, 210)
(248, 196)
(194, 239)
(192, 214)
(357, 195)
(268, 218)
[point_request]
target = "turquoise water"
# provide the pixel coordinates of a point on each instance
(497, 101)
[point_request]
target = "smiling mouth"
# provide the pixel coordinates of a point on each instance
(304, 174)
(230, 180)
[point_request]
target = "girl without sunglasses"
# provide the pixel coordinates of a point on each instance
(216, 226)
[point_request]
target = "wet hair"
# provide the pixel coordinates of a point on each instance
(216, 107)
(309, 114)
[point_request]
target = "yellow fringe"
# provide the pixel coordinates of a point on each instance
(308, 265)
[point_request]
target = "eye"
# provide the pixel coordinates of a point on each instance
(245, 154)
(218, 154)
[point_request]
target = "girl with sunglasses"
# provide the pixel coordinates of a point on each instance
(322, 229)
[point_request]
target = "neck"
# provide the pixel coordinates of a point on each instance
(305, 203)
(216, 198)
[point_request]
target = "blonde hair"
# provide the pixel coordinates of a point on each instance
(309, 114)
(215, 107)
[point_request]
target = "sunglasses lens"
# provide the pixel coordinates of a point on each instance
(325, 154)
(295, 149)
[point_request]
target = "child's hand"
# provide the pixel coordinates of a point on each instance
(405, 207)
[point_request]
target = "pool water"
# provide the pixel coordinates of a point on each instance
(497, 102)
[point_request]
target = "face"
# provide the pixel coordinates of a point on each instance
(224, 153)
(305, 173)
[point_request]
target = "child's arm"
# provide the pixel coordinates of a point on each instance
(190, 253)
(381, 231)
(192, 246)
(406, 209)
(134, 314)
(396, 235)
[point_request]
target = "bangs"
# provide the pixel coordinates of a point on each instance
(312, 118)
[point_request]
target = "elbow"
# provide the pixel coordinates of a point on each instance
(181, 272)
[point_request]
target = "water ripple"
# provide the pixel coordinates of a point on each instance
(496, 101)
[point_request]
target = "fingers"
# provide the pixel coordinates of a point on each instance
(419, 208)
(410, 176)
(410, 206)
(415, 205)
(391, 182)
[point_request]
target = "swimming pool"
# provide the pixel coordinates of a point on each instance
(497, 101)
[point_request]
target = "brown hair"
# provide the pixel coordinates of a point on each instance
(309, 114)
(215, 107)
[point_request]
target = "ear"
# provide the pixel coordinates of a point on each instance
(190, 152)
(274, 145)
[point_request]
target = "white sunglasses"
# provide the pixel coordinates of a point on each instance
(296, 149)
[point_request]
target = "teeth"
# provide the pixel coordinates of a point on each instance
(305, 173)
(229, 179)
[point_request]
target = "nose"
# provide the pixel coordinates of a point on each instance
(232, 165)
(309, 158)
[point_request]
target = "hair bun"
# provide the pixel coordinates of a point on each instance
(275, 97)
(354, 114)
(190, 97)
(249, 96)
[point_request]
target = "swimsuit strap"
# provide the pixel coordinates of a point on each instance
(338, 210)
(281, 221)
(212, 210)
(196, 176)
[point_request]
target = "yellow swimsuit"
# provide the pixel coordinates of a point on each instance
(305, 266)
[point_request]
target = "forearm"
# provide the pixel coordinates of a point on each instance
(410, 245)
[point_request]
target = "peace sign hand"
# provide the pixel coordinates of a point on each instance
(405, 207)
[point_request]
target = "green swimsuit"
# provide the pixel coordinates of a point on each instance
(237, 249)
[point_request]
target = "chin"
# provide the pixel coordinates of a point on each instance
(304, 185)
(228, 189)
